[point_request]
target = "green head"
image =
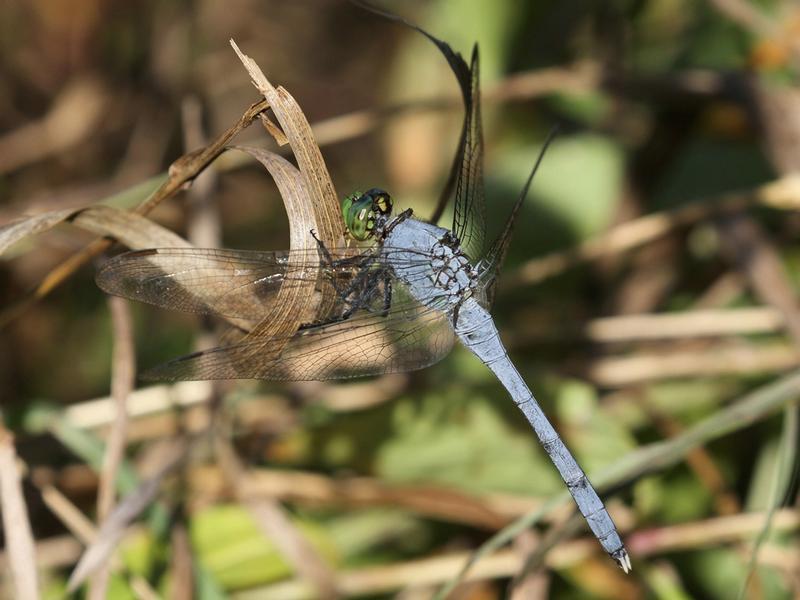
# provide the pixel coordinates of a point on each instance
(360, 212)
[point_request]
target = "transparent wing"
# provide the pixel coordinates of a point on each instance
(230, 283)
(466, 173)
(373, 325)
(469, 219)
(489, 265)
(373, 341)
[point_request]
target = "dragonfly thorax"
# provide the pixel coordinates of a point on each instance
(452, 271)
(429, 260)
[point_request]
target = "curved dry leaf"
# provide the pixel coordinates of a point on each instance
(130, 229)
(321, 192)
(299, 209)
(13, 232)
(296, 304)
(135, 231)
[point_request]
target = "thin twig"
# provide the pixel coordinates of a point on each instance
(113, 528)
(181, 564)
(123, 378)
(273, 521)
(644, 327)
(164, 400)
(77, 523)
(781, 193)
(722, 358)
(532, 585)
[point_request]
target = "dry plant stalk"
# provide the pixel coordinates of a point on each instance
(275, 524)
(123, 379)
(782, 193)
(80, 527)
(128, 509)
(20, 548)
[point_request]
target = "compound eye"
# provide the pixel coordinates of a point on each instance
(383, 203)
(362, 226)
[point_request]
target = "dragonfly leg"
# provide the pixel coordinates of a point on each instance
(406, 214)
(366, 291)
(322, 248)
(360, 264)
(387, 294)
(363, 287)
(455, 313)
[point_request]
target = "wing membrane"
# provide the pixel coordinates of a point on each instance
(469, 219)
(407, 337)
(374, 326)
(229, 283)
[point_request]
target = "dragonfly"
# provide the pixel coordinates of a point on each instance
(394, 305)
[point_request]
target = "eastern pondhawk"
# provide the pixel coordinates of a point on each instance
(396, 305)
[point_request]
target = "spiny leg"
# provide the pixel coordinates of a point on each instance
(387, 294)
(361, 264)
(367, 293)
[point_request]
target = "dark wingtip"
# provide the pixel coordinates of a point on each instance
(102, 277)
(168, 371)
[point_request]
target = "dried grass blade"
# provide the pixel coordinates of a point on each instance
(781, 483)
(181, 565)
(181, 172)
(13, 232)
(758, 259)
(133, 230)
(272, 520)
(16, 526)
(296, 304)
(316, 180)
(113, 528)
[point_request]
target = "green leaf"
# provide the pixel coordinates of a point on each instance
(466, 445)
(231, 547)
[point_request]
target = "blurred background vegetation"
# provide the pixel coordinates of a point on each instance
(664, 104)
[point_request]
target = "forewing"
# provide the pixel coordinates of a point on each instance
(489, 266)
(230, 283)
(469, 219)
(406, 337)
(466, 174)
